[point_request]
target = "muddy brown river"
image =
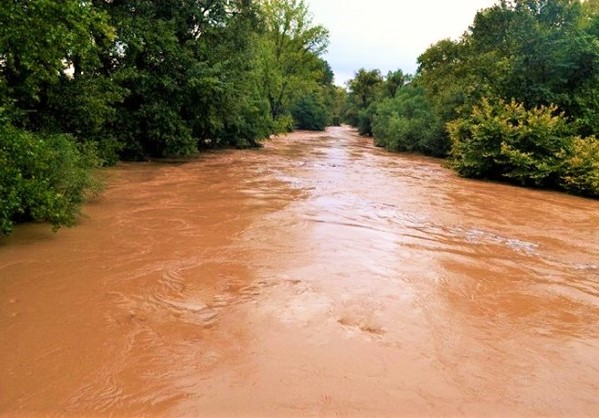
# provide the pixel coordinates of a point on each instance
(316, 277)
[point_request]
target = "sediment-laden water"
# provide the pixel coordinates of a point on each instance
(317, 277)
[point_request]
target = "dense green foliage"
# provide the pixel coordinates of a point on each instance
(515, 98)
(406, 122)
(309, 113)
(89, 82)
(364, 89)
(289, 62)
(530, 147)
(43, 178)
(536, 52)
(160, 79)
(582, 167)
(148, 78)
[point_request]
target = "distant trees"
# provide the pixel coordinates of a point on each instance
(407, 122)
(145, 78)
(296, 81)
(309, 112)
(515, 98)
(364, 90)
(396, 110)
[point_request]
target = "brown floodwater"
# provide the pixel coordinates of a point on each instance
(316, 277)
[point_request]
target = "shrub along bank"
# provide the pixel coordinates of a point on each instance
(84, 83)
(515, 98)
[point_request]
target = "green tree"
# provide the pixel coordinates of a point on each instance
(189, 71)
(49, 69)
(365, 87)
(407, 122)
(535, 51)
(394, 81)
(310, 112)
(364, 90)
(289, 54)
(505, 141)
(227, 106)
(445, 74)
(40, 40)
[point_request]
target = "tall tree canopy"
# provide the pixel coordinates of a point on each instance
(515, 98)
(146, 78)
(290, 63)
(538, 52)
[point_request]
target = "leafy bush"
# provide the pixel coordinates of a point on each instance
(529, 147)
(407, 123)
(350, 116)
(249, 123)
(365, 118)
(85, 108)
(336, 120)
(167, 134)
(43, 178)
(309, 113)
(505, 140)
(582, 167)
(283, 124)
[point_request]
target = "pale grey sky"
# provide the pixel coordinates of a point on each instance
(388, 34)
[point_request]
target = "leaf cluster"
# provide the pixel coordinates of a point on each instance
(43, 178)
(514, 98)
(533, 147)
(407, 122)
(144, 79)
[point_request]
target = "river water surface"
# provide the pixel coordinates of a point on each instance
(316, 277)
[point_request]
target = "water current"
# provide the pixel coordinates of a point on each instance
(316, 277)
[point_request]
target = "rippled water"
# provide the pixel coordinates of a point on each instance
(315, 277)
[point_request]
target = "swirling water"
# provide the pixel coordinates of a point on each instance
(317, 276)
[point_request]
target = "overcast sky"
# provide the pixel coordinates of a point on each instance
(388, 34)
